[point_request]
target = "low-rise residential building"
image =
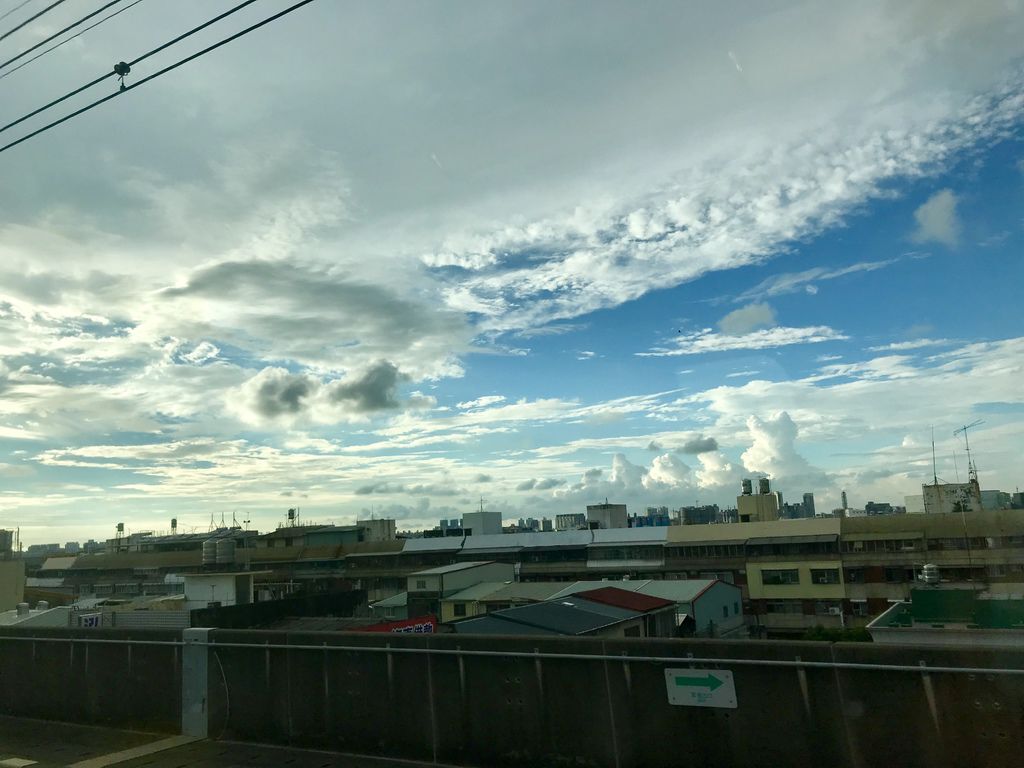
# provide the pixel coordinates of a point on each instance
(603, 612)
(426, 589)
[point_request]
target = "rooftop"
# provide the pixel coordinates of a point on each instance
(453, 568)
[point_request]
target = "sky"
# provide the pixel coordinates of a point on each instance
(391, 259)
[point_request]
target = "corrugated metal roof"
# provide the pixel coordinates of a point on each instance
(440, 544)
(395, 601)
(678, 591)
(443, 569)
(492, 625)
(525, 590)
(634, 601)
(611, 536)
(58, 563)
(477, 591)
(571, 617)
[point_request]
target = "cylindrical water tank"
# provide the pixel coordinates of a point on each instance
(930, 573)
(210, 552)
(763, 486)
(23, 609)
(748, 487)
(225, 551)
(42, 605)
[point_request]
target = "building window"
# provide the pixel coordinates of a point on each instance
(899, 575)
(421, 584)
(725, 611)
(824, 575)
(854, 575)
(460, 609)
(783, 606)
(780, 576)
(860, 607)
(735, 609)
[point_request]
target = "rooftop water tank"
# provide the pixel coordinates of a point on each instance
(930, 573)
(210, 552)
(748, 487)
(23, 609)
(42, 605)
(764, 486)
(225, 551)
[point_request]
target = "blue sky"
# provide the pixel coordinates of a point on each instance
(382, 259)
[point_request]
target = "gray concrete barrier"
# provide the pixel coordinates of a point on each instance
(497, 701)
(539, 709)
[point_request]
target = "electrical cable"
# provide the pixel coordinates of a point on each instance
(29, 20)
(158, 73)
(18, 7)
(66, 40)
(55, 35)
(143, 57)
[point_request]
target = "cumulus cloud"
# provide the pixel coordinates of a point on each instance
(937, 220)
(375, 389)
(700, 444)
(539, 485)
(276, 393)
(747, 319)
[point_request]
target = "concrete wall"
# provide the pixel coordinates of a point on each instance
(504, 710)
(45, 675)
(12, 583)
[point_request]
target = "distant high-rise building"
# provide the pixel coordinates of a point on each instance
(702, 515)
(72, 548)
(845, 504)
(545, 524)
(481, 523)
(570, 521)
(607, 515)
(808, 505)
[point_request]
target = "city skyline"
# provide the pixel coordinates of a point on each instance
(628, 255)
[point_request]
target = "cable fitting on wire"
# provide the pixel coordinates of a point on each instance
(121, 69)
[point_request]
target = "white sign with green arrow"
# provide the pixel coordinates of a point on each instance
(700, 688)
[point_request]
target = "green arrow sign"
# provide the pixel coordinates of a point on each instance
(708, 681)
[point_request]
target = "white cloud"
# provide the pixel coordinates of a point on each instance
(937, 220)
(481, 402)
(790, 282)
(902, 346)
(708, 341)
(747, 319)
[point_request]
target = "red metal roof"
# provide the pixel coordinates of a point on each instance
(621, 598)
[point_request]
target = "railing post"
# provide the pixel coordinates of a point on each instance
(195, 693)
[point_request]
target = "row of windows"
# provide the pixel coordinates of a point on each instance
(780, 576)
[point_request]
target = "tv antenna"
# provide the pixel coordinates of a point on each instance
(972, 469)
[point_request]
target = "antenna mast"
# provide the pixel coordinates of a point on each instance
(972, 469)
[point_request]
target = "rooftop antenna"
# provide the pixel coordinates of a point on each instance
(935, 471)
(972, 469)
(481, 503)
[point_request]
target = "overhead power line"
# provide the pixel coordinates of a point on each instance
(29, 20)
(158, 73)
(66, 40)
(18, 7)
(55, 35)
(143, 57)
